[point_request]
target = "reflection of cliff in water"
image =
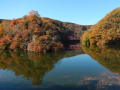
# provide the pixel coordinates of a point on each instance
(108, 57)
(32, 66)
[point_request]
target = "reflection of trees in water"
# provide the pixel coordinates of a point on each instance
(31, 66)
(108, 57)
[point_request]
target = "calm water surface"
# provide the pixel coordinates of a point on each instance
(73, 70)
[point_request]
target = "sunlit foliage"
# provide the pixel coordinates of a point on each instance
(105, 32)
(37, 34)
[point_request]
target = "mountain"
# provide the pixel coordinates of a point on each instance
(106, 32)
(38, 34)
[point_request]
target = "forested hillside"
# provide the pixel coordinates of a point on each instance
(37, 34)
(105, 32)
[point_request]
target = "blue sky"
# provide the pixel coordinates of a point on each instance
(76, 11)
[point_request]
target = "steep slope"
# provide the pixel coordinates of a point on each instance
(37, 34)
(105, 32)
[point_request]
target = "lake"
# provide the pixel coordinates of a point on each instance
(90, 69)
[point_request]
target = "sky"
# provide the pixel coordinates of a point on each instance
(84, 12)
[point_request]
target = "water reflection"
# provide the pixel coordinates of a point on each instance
(30, 65)
(98, 69)
(104, 81)
(108, 57)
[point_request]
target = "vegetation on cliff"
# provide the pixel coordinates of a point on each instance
(37, 34)
(105, 32)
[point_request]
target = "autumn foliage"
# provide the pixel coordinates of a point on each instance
(37, 34)
(30, 33)
(106, 32)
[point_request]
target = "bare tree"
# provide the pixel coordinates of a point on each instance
(34, 13)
